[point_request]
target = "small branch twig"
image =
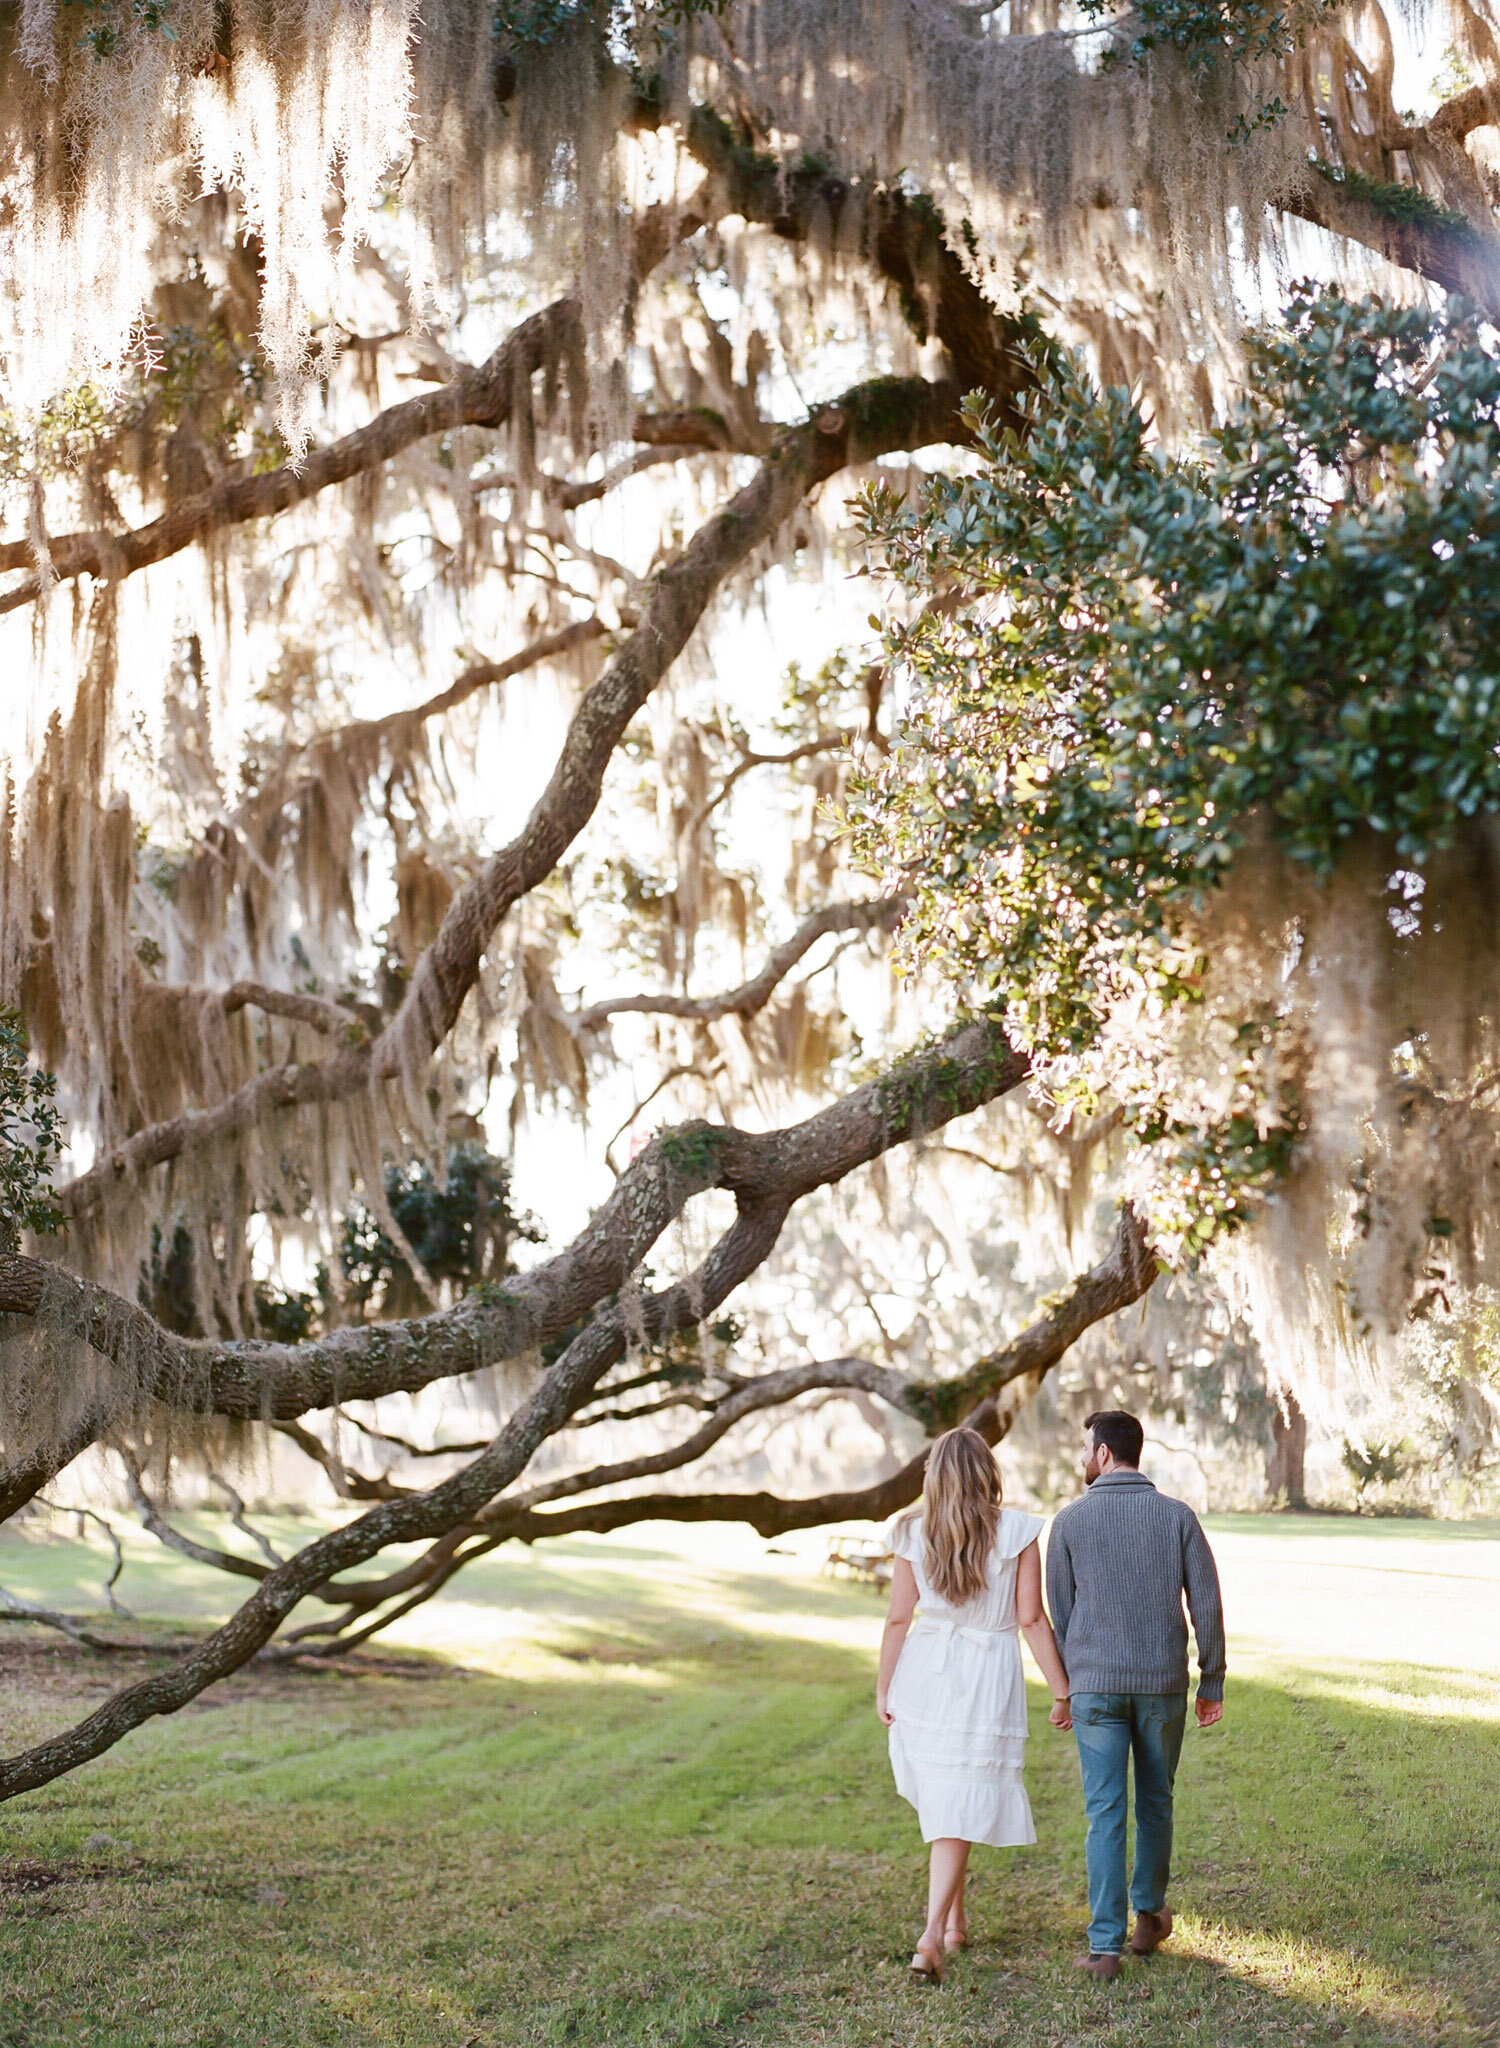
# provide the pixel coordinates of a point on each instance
(752, 995)
(238, 1516)
(384, 1436)
(346, 1484)
(14, 1609)
(88, 1515)
(824, 744)
(162, 1530)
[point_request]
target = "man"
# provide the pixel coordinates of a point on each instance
(1118, 1563)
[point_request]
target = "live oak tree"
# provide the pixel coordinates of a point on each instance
(671, 282)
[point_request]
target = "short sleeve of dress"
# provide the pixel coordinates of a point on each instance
(898, 1537)
(1017, 1530)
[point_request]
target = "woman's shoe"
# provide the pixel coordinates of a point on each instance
(955, 1938)
(927, 1965)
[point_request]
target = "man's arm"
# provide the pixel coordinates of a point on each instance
(1061, 1585)
(1200, 1579)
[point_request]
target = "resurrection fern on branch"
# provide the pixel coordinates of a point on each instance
(1408, 204)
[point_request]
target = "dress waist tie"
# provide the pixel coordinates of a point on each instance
(945, 1631)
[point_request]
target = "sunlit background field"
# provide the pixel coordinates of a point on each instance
(633, 1791)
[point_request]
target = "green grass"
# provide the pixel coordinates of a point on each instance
(633, 1792)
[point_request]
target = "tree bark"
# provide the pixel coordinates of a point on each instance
(1286, 1462)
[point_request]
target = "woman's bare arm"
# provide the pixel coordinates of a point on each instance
(897, 1622)
(1037, 1630)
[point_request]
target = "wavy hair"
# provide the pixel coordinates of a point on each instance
(960, 1514)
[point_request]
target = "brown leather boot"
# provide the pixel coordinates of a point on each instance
(1103, 1967)
(1151, 1930)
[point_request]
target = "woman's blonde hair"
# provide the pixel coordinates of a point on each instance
(960, 1514)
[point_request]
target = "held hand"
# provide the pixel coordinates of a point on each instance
(1208, 1712)
(1061, 1715)
(883, 1711)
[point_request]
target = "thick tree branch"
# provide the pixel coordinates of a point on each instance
(436, 1566)
(905, 241)
(322, 1015)
(254, 1379)
(902, 237)
(451, 1510)
(770, 1390)
(1013, 1375)
(158, 1525)
(870, 420)
(13, 1609)
(988, 1398)
(1462, 259)
(483, 396)
(346, 1484)
(440, 1570)
(1454, 121)
(753, 995)
(23, 1479)
(1122, 1276)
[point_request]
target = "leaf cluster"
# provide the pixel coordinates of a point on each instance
(1205, 32)
(107, 21)
(1141, 651)
(199, 375)
(31, 1139)
(460, 1225)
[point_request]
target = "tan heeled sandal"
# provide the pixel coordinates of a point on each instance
(927, 1966)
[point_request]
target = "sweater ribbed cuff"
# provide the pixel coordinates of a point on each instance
(1211, 1688)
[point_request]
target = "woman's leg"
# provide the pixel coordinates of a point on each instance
(945, 1886)
(956, 1928)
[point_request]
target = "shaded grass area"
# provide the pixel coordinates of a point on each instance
(649, 1804)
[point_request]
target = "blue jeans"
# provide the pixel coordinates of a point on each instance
(1110, 1726)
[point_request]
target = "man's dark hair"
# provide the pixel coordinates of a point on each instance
(1119, 1433)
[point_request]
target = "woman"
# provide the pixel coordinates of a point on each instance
(950, 1687)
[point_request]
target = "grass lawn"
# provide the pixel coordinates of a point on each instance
(633, 1791)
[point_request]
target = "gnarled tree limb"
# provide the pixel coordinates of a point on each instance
(455, 1500)
(258, 1380)
(978, 1397)
(870, 420)
(483, 396)
(1012, 1374)
(1465, 260)
(754, 994)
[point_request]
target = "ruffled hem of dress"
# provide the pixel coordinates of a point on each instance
(992, 1808)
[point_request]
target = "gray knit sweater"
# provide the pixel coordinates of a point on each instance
(1118, 1564)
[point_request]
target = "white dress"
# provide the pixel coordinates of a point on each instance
(958, 1698)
